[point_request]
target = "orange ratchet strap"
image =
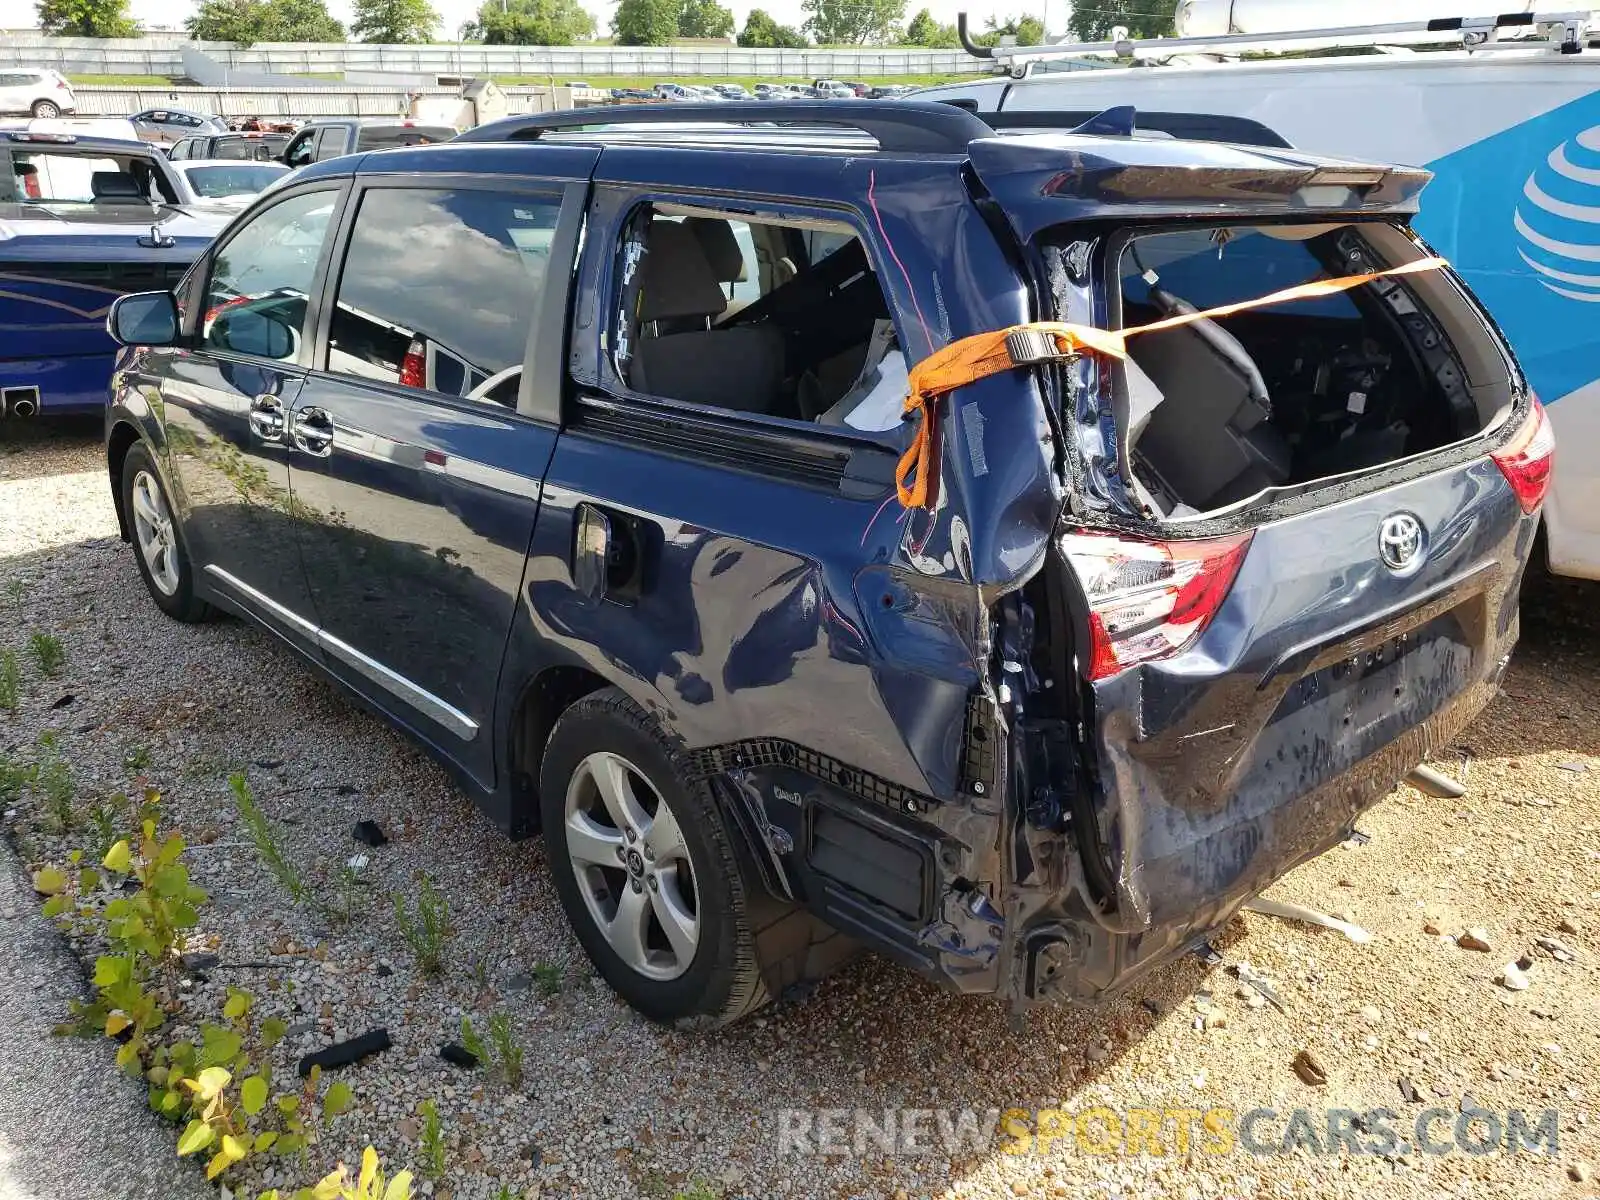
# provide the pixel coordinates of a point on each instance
(984, 354)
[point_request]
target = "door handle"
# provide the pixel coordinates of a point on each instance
(312, 431)
(266, 417)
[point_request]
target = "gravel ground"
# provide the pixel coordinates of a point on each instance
(612, 1106)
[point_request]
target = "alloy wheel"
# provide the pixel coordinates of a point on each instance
(632, 866)
(152, 527)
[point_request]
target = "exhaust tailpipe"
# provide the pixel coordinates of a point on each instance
(21, 401)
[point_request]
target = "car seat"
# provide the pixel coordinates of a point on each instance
(1208, 440)
(739, 368)
(116, 187)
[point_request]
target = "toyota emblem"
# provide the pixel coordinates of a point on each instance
(1400, 542)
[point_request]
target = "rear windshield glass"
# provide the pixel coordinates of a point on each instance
(1221, 408)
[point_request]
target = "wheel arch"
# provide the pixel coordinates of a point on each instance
(546, 694)
(122, 438)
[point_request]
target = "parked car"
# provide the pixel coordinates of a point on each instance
(889, 91)
(730, 91)
(858, 89)
(644, 566)
(674, 91)
(335, 136)
(39, 93)
(166, 126)
(1516, 207)
(258, 147)
(772, 91)
(224, 182)
(82, 220)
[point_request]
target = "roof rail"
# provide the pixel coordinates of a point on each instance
(1569, 32)
(908, 127)
(1192, 126)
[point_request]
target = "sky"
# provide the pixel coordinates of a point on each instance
(172, 13)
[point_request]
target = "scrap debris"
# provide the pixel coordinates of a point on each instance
(342, 1054)
(1309, 1069)
(1299, 912)
(1247, 975)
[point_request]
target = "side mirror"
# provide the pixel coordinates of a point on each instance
(246, 331)
(143, 319)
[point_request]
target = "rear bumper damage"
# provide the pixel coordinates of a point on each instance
(1065, 952)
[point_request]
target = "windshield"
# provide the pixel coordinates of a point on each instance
(245, 179)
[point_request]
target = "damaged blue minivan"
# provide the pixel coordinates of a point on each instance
(572, 448)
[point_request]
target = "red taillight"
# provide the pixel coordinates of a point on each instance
(1526, 459)
(413, 370)
(1150, 600)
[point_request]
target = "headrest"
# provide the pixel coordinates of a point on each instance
(721, 247)
(677, 279)
(114, 185)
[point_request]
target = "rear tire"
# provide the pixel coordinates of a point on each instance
(608, 775)
(158, 545)
(45, 108)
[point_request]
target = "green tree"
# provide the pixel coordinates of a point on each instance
(925, 31)
(1144, 18)
(705, 19)
(853, 22)
(1029, 31)
(251, 21)
(646, 22)
(393, 22)
(86, 18)
(762, 32)
(533, 22)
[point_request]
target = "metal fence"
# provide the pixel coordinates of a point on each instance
(326, 100)
(161, 56)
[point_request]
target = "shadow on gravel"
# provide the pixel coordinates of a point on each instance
(33, 449)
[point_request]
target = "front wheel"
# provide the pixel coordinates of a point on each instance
(45, 109)
(645, 867)
(157, 541)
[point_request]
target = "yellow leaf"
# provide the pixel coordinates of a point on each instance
(197, 1136)
(329, 1186)
(234, 1148)
(369, 1168)
(209, 1082)
(47, 881)
(116, 1022)
(219, 1163)
(399, 1187)
(264, 1140)
(118, 858)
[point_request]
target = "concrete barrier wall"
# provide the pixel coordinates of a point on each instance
(329, 100)
(164, 56)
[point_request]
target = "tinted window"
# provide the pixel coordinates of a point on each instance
(383, 136)
(181, 149)
(439, 287)
(256, 300)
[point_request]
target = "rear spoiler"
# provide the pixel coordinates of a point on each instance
(1124, 121)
